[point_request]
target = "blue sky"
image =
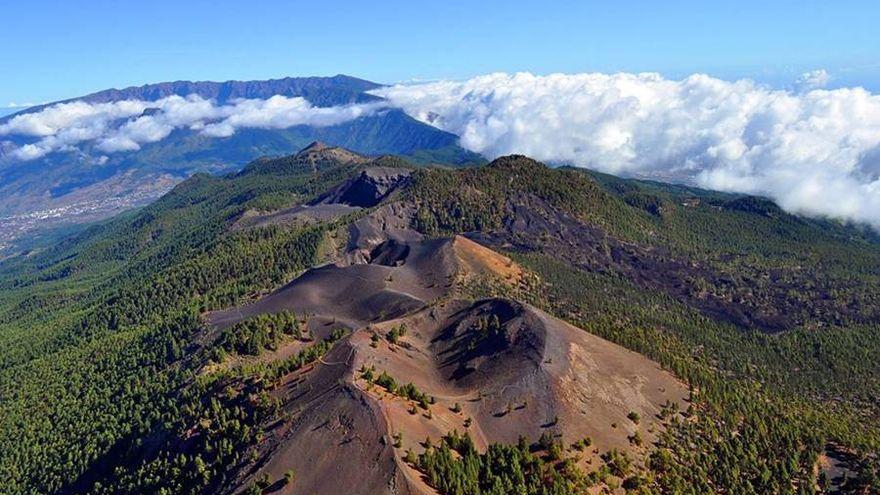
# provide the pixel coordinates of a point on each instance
(56, 49)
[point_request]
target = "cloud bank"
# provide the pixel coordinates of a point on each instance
(13, 105)
(129, 124)
(814, 151)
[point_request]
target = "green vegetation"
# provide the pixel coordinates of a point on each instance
(408, 391)
(475, 199)
(99, 340)
(765, 403)
(106, 382)
(750, 429)
(396, 332)
(454, 467)
(759, 416)
(269, 372)
(255, 334)
(582, 444)
(755, 266)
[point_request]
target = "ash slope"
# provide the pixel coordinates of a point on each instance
(536, 374)
(532, 374)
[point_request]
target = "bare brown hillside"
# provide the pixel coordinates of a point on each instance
(495, 368)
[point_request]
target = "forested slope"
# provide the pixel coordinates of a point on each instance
(771, 319)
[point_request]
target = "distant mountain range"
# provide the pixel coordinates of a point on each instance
(321, 91)
(85, 184)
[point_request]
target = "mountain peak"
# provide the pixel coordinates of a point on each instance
(516, 162)
(314, 146)
(318, 151)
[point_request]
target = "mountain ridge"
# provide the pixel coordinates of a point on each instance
(344, 89)
(68, 187)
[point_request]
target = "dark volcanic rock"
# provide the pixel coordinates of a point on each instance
(534, 225)
(369, 188)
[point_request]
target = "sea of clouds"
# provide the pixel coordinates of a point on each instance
(127, 125)
(812, 150)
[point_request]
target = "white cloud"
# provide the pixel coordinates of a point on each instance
(279, 112)
(814, 79)
(13, 104)
(29, 152)
(127, 125)
(814, 152)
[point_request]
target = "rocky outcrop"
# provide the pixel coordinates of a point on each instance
(369, 188)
